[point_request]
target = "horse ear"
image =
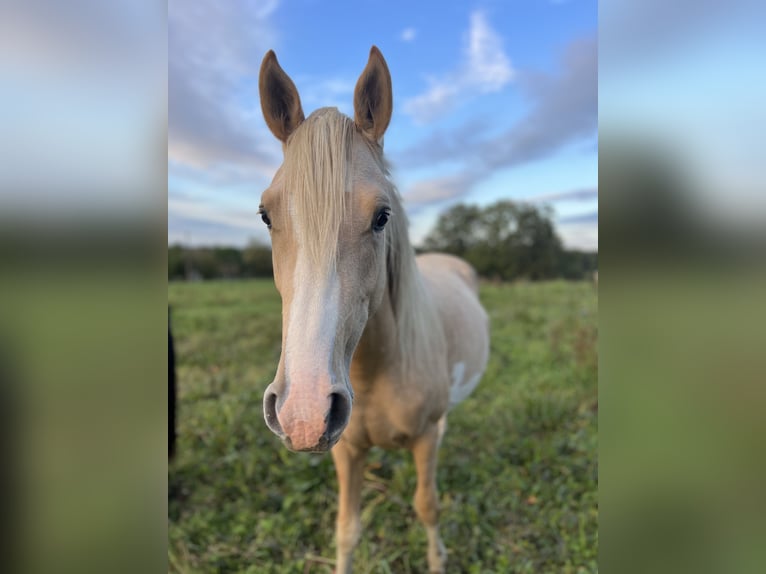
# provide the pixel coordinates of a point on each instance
(373, 98)
(280, 102)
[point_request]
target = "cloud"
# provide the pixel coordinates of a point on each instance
(484, 68)
(199, 222)
(441, 144)
(590, 217)
(189, 231)
(587, 194)
(563, 109)
(437, 190)
(212, 116)
(210, 212)
(97, 42)
(408, 34)
(625, 26)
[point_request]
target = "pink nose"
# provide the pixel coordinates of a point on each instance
(303, 418)
(308, 421)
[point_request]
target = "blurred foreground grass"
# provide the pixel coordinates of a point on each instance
(682, 398)
(518, 466)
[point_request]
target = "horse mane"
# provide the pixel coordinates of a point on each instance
(318, 174)
(414, 312)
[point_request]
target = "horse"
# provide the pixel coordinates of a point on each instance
(377, 344)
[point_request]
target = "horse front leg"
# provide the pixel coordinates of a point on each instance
(349, 466)
(426, 502)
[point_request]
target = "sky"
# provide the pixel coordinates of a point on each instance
(697, 92)
(82, 103)
(492, 100)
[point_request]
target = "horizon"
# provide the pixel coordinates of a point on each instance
(267, 244)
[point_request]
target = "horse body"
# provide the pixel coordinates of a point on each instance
(454, 285)
(377, 344)
(394, 405)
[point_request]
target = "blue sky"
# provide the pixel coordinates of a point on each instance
(492, 100)
(697, 92)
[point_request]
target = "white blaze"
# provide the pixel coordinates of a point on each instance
(313, 323)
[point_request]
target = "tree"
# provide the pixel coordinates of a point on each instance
(456, 230)
(176, 262)
(505, 240)
(256, 260)
(577, 264)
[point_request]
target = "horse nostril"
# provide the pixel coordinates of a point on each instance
(340, 410)
(270, 412)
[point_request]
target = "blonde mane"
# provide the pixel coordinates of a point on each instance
(318, 176)
(414, 312)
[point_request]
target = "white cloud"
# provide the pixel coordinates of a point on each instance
(585, 194)
(439, 99)
(438, 190)
(563, 110)
(214, 48)
(484, 68)
(408, 34)
(489, 69)
(210, 212)
(435, 190)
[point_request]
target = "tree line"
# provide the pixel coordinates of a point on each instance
(219, 262)
(503, 241)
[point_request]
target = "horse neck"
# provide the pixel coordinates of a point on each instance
(379, 348)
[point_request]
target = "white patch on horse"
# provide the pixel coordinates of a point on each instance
(458, 370)
(313, 323)
(460, 391)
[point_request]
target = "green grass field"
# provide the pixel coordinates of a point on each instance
(518, 465)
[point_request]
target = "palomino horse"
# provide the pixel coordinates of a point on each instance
(365, 324)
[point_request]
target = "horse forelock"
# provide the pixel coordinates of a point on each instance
(317, 176)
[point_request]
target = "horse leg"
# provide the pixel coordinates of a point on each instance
(426, 501)
(349, 466)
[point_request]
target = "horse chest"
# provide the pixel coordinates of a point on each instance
(391, 417)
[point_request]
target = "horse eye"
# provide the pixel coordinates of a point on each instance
(265, 218)
(381, 219)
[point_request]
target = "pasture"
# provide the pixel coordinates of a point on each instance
(517, 469)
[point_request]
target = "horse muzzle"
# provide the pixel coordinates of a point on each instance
(307, 419)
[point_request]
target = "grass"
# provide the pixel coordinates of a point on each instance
(518, 466)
